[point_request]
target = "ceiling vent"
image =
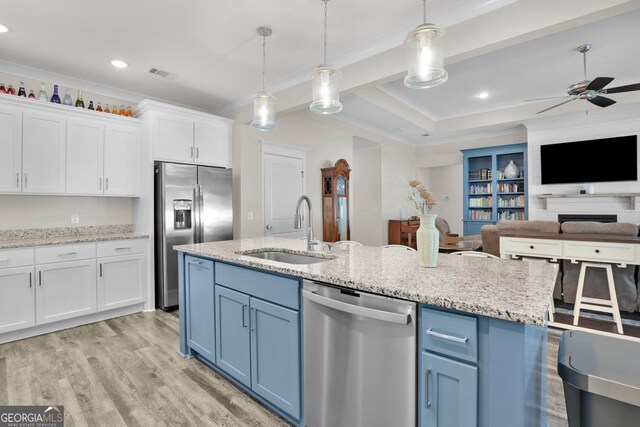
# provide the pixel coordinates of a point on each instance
(162, 73)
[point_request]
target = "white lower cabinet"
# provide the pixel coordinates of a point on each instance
(121, 281)
(65, 290)
(17, 308)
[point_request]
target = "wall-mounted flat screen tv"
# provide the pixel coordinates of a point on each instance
(596, 160)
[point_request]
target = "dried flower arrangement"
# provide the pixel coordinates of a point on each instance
(421, 196)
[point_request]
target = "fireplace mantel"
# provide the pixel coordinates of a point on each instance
(630, 196)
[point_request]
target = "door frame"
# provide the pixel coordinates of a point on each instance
(276, 149)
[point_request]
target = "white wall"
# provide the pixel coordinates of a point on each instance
(55, 211)
(446, 184)
(366, 191)
(581, 129)
(323, 147)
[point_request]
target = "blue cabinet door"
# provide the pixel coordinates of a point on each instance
(275, 355)
(448, 393)
(232, 334)
(201, 319)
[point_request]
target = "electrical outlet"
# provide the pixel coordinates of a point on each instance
(75, 218)
(250, 216)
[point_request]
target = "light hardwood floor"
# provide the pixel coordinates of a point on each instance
(126, 371)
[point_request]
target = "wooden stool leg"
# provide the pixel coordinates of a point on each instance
(578, 303)
(614, 300)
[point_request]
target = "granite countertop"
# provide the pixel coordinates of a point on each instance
(517, 291)
(66, 235)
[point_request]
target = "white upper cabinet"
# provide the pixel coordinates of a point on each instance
(43, 152)
(85, 156)
(51, 149)
(121, 160)
(10, 150)
(213, 143)
(173, 138)
(187, 136)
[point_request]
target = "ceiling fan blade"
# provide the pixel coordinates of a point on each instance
(544, 99)
(627, 88)
(599, 83)
(555, 106)
(602, 101)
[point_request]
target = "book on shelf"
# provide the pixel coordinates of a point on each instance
(509, 215)
(480, 189)
(511, 187)
(480, 174)
(481, 202)
(517, 202)
(480, 215)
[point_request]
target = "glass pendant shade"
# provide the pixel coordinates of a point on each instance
(264, 111)
(326, 94)
(425, 57)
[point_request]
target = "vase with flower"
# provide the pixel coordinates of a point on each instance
(427, 236)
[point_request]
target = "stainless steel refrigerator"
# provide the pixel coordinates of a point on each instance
(193, 204)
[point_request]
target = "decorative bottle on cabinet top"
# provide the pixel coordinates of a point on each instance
(42, 94)
(22, 92)
(99, 107)
(67, 98)
(32, 95)
(55, 98)
(90, 107)
(79, 101)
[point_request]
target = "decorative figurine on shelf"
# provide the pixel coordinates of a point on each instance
(511, 171)
(55, 98)
(427, 236)
(67, 98)
(42, 94)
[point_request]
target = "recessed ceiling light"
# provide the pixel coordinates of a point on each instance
(119, 64)
(482, 95)
(3, 29)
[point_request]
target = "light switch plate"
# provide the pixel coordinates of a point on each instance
(75, 218)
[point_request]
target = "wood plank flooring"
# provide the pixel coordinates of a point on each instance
(126, 372)
(123, 372)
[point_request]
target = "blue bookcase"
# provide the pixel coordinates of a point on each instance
(488, 196)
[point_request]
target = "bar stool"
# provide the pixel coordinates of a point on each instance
(596, 304)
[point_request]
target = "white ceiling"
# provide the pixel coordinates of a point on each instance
(210, 45)
(212, 48)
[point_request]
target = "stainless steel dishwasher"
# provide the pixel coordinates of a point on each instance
(359, 359)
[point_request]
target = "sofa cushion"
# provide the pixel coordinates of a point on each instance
(531, 226)
(590, 227)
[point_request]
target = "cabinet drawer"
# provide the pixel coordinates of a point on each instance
(60, 253)
(514, 245)
(16, 257)
(121, 247)
(601, 251)
(450, 334)
(269, 287)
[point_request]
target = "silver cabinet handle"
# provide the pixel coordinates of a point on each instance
(100, 269)
(106, 183)
(30, 279)
(245, 307)
(25, 180)
(197, 262)
(123, 248)
(18, 179)
(252, 319)
(100, 183)
(68, 253)
(427, 401)
(197, 152)
(39, 278)
(385, 316)
(447, 337)
(191, 152)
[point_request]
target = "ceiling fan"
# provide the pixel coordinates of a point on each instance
(591, 90)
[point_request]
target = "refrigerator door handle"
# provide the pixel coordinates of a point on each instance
(200, 212)
(196, 213)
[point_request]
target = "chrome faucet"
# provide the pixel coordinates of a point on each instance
(311, 241)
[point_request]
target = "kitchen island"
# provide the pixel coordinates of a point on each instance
(500, 306)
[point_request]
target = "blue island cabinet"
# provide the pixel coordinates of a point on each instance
(480, 371)
(246, 324)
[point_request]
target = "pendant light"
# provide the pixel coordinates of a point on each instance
(264, 108)
(325, 80)
(425, 56)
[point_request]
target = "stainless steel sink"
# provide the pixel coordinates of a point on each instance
(286, 257)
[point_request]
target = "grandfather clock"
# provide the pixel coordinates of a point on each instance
(335, 202)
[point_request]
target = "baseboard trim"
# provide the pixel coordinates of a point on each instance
(69, 323)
